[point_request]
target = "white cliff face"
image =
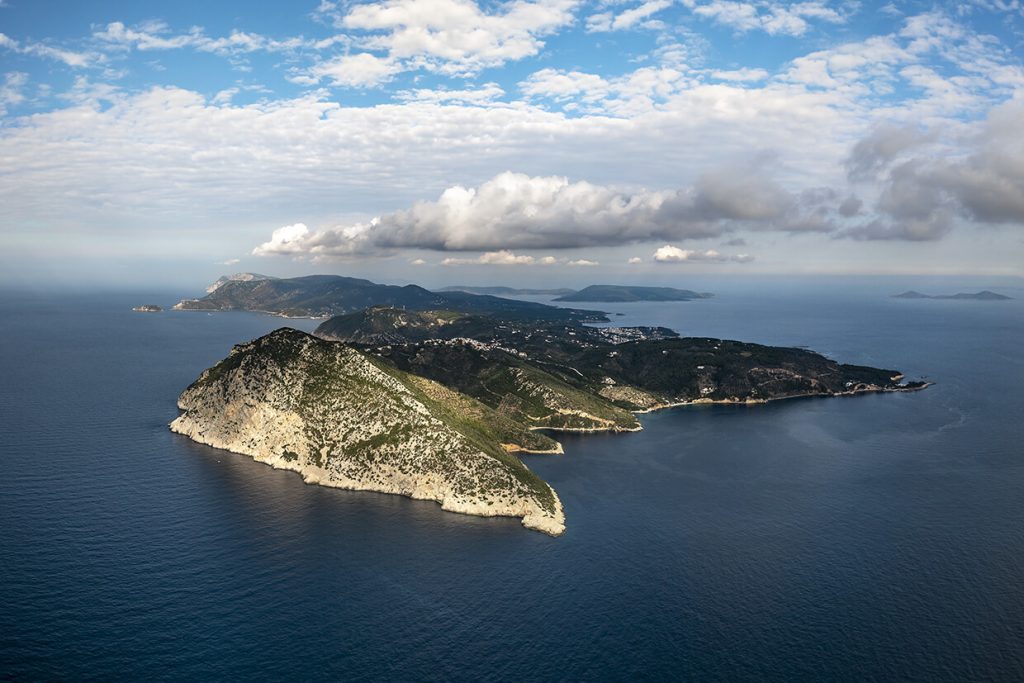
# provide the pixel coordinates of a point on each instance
(240, 277)
(340, 419)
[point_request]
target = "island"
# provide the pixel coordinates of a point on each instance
(434, 404)
(321, 296)
(984, 295)
(148, 308)
(628, 293)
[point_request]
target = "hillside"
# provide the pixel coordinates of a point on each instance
(507, 291)
(341, 418)
(325, 295)
(543, 372)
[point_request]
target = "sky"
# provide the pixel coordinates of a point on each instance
(518, 142)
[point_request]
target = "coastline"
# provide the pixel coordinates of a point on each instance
(179, 307)
(530, 515)
(761, 401)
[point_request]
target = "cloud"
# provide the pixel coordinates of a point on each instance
(921, 196)
(230, 262)
(558, 84)
(12, 90)
(417, 262)
(286, 240)
(876, 151)
(517, 211)
(744, 75)
(451, 37)
(673, 254)
(774, 18)
(68, 57)
(360, 70)
(485, 94)
(638, 16)
(632, 93)
(634, 260)
(155, 35)
(105, 158)
(503, 257)
(851, 206)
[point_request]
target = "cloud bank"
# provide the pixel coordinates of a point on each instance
(517, 211)
(922, 194)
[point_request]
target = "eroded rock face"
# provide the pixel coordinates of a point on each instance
(342, 419)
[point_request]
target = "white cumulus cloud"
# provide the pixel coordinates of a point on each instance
(517, 211)
(673, 254)
(503, 257)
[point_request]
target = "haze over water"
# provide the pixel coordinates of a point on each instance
(874, 537)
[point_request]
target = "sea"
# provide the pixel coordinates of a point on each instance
(871, 538)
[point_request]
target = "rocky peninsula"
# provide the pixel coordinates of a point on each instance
(342, 418)
(433, 404)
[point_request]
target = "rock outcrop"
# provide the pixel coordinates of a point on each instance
(342, 418)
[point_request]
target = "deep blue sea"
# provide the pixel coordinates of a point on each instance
(867, 538)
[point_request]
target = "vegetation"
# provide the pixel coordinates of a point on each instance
(430, 403)
(325, 295)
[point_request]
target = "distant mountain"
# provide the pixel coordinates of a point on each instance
(984, 295)
(237, 277)
(326, 295)
(508, 291)
(624, 293)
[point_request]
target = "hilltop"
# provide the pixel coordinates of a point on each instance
(341, 418)
(237, 277)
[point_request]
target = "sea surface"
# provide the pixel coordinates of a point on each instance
(867, 538)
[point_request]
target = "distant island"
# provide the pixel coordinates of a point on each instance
(148, 308)
(433, 404)
(984, 295)
(321, 296)
(627, 293)
(508, 291)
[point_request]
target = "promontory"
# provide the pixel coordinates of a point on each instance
(434, 404)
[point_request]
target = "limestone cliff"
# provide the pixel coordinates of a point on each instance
(344, 419)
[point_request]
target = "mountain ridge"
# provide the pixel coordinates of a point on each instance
(314, 296)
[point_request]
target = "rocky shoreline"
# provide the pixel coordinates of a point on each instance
(366, 429)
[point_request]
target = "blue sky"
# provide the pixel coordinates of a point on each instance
(449, 140)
